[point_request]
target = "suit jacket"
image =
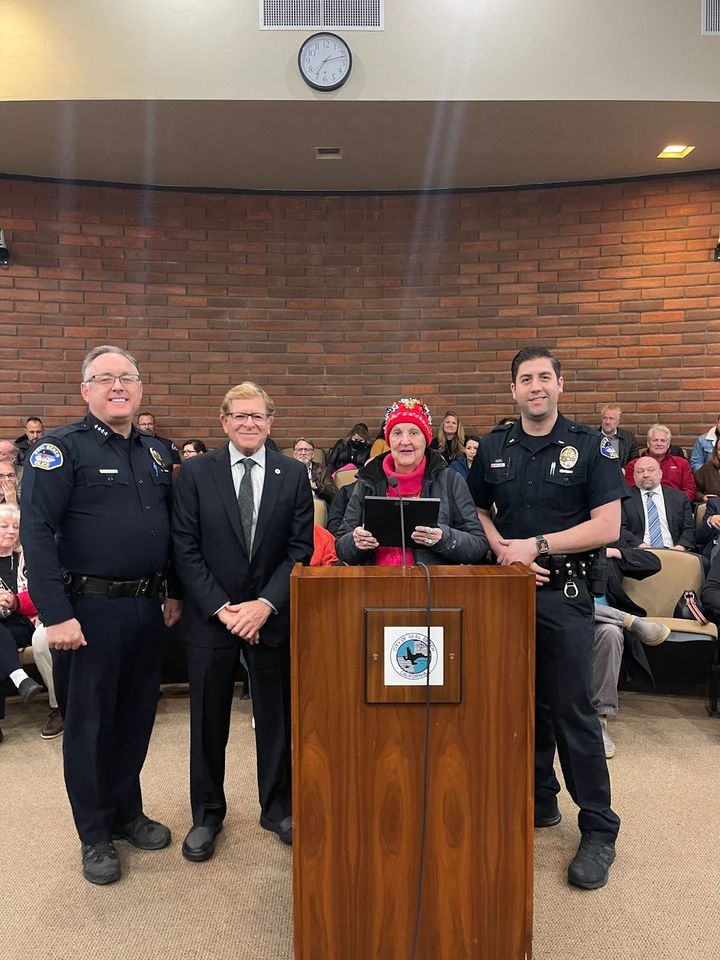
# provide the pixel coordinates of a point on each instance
(705, 535)
(211, 556)
(679, 517)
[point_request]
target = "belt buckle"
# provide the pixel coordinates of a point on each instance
(571, 590)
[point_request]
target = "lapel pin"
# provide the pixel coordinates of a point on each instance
(277, 470)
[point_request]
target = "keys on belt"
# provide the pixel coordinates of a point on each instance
(77, 584)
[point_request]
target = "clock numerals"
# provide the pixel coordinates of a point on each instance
(325, 61)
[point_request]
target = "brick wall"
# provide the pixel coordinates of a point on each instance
(337, 305)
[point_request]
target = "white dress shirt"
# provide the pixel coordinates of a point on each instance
(659, 501)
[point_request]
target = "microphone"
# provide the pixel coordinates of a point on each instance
(393, 482)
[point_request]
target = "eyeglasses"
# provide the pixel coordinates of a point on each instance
(257, 418)
(108, 380)
(304, 450)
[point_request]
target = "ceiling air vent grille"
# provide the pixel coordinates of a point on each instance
(710, 17)
(322, 14)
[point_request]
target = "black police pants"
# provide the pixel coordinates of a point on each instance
(564, 714)
(107, 693)
(212, 671)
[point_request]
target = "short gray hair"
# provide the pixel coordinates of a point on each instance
(98, 352)
(660, 428)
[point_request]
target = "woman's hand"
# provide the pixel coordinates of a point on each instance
(363, 539)
(7, 600)
(427, 536)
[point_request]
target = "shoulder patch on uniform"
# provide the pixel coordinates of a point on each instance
(46, 456)
(607, 449)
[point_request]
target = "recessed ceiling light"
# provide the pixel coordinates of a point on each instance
(675, 151)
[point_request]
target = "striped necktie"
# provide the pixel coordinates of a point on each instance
(656, 538)
(246, 502)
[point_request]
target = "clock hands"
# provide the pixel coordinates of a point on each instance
(328, 60)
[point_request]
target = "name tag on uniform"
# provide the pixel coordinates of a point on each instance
(107, 471)
(498, 463)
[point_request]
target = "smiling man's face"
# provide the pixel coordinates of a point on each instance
(116, 403)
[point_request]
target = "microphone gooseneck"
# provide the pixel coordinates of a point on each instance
(393, 482)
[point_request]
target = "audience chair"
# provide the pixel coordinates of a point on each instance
(700, 514)
(659, 595)
(320, 512)
(343, 477)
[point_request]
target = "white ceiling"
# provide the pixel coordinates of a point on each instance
(387, 146)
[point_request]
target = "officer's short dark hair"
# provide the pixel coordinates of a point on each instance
(33, 420)
(533, 353)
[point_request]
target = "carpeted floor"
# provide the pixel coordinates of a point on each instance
(662, 901)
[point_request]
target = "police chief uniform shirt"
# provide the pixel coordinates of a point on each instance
(542, 485)
(93, 503)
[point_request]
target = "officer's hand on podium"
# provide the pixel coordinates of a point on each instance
(67, 635)
(517, 551)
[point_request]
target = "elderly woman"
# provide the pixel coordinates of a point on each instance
(419, 472)
(16, 608)
(450, 440)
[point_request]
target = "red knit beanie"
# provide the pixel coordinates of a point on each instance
(409, 410)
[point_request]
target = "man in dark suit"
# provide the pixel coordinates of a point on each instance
(623, 441)
(656, 516)
(242, 517)
(708, 532)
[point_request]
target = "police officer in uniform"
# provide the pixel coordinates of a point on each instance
(146, 424)
(557, 487)
(95, 529)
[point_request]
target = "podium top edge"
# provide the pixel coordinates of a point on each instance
(454, 571)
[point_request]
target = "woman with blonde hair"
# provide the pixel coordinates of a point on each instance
(450, 440)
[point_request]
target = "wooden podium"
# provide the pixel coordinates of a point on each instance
(358, 767)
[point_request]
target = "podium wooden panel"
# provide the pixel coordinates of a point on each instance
(358, 774)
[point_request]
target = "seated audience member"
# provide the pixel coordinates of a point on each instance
(54, 724)
(336, 513)
(450, 439)
(704, 446)
(146, 424)
(8, 452)
(379, 444)
(707, 477)
(323, 548)
(8, 484)
(655, 515)
(33, 432)
(463, 463)
(321, 481)
(16, 609)
(676, 471)
(708, 533)
(415, 471)
(620, 628)
(193, 448)
(710, 593)
(623, 441)
(354, 450)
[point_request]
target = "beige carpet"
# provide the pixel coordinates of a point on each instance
(663, 901)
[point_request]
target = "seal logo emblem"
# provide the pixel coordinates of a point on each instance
(409, 656)
(46, 457)
(568, 457)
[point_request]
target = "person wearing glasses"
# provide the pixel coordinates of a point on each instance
(242, 518)
(321, 481)
(96, 533)
(193, 448)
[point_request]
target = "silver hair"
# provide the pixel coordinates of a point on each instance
(99, 351)
(660, 428)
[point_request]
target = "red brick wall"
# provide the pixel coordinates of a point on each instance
(337, 305)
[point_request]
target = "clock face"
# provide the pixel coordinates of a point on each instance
(325, 61)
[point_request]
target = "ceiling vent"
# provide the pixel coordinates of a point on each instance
(322, 14)
(710, 18)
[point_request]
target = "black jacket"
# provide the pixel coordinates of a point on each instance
(348, 451)
(463, 540)
(679, 517)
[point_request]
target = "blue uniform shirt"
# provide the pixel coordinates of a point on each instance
(542, 485)
(94, 503)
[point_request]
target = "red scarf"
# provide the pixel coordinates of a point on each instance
(409, 485)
